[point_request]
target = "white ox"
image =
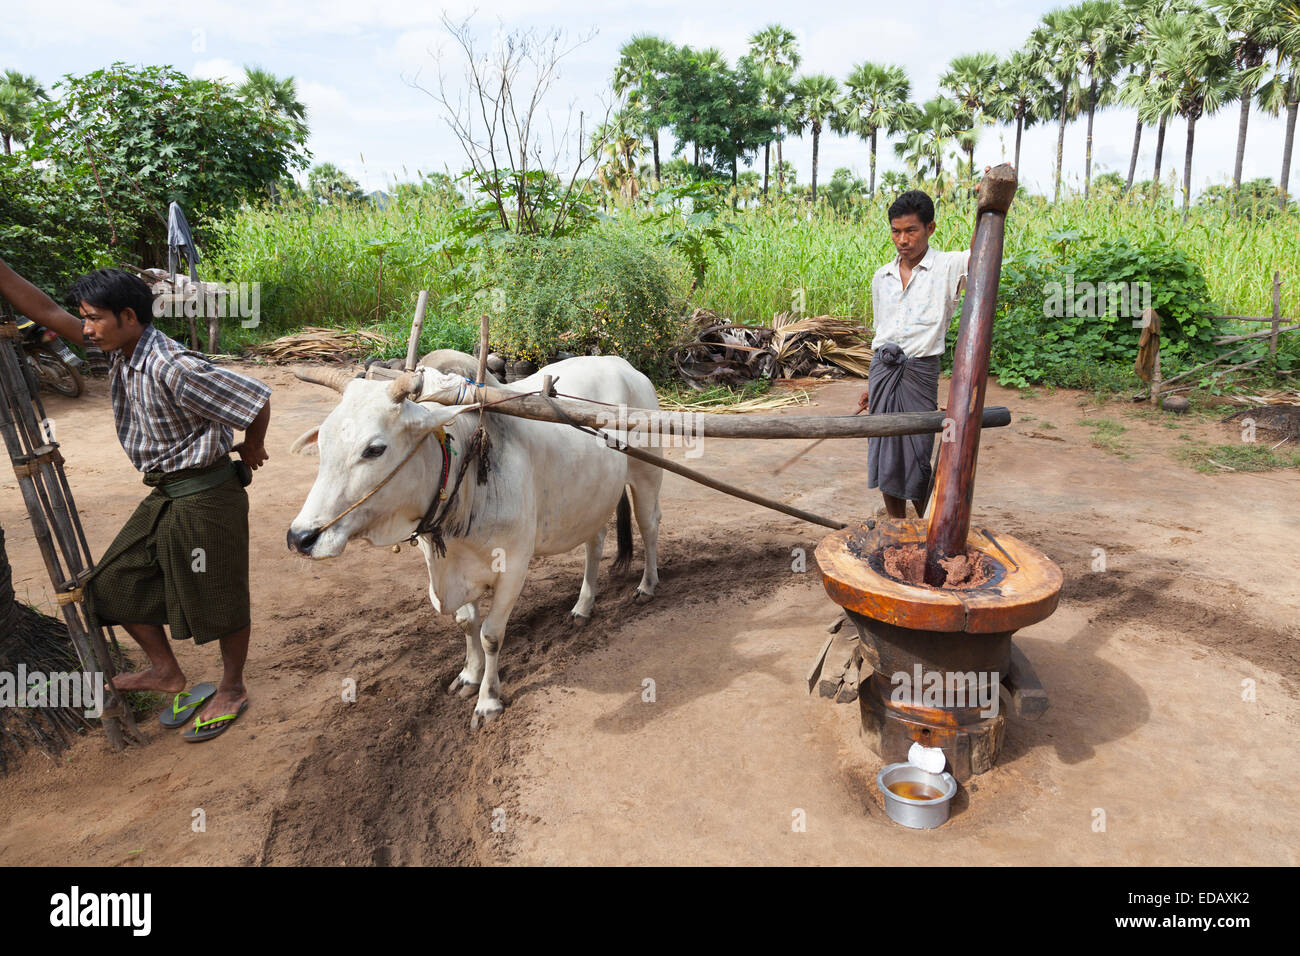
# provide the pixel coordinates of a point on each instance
(550, 488)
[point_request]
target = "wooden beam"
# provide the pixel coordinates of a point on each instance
(689, 424)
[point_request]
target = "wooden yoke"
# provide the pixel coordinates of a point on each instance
(955, 473)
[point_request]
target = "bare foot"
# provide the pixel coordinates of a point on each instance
(223, 702)
(168, 682)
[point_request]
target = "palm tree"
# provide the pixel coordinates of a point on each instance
(1097, 27)
(1054, 50)
(775, 50)
(273, 94)
(641, 64)
(876, 98)
(816, 102)
(972, 80)
(1254, 29)
(1282, 92)
(19, 94)
(929, 130)
(1196, 58)
(1023, 96)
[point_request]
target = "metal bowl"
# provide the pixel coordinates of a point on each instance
(908, 811)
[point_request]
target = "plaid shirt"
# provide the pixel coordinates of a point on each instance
(174, 409)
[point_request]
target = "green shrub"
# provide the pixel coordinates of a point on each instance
(611, 290)
(1056, 323)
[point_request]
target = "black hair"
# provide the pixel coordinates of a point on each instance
(114, 290)
(913, 201)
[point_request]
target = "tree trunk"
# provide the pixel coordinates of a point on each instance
(1060, 144)
(780, 169)
(767, 151)
(6, 139)
(1133, 160)
(1020, 126)
(1288, 143)
(696, 164)
(1242, 122)
(656, 142)
(1187, 164)
(1160, 149)
(1087, 152)
(817, 132)
(871, 188)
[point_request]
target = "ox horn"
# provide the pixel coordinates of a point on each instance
(335, 378)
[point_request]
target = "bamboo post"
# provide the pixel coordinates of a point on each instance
(417, 326)
(955, 475)
(1277, 317)
(38, 466)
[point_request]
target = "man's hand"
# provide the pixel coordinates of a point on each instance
(254, 455)
(862, 402)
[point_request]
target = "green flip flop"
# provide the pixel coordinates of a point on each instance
(184, 705)
(207, 729)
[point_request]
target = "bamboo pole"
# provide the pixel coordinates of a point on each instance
(417, 326)
(43, 485)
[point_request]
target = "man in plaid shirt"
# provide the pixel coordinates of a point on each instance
(182, 558)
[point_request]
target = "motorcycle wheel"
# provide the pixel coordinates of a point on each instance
(58, 374)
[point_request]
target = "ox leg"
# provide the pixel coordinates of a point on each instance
(469, 679)
(491, 635)
(645, 505)
(581, 612)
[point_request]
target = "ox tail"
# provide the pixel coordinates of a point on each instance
(623, 560)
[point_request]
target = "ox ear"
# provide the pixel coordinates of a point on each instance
(305, 444)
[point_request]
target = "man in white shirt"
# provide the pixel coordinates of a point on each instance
(913, 300)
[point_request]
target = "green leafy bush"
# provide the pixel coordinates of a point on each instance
(1069, 310)
(611, 290)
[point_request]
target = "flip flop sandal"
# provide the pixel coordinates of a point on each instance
(184, 705)
(207, 729)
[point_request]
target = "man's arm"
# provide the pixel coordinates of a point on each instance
(38, 306)
(253, 448)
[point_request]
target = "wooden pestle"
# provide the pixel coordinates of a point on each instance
(955, 472)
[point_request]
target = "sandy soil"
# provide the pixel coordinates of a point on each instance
(1144, 662)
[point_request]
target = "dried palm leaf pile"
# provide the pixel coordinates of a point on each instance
(790, 347)
(312, 344)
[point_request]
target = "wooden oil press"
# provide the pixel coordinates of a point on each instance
(941, 654)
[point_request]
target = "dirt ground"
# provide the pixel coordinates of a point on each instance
(1145, 663)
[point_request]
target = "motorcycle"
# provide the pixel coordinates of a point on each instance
(51, 361)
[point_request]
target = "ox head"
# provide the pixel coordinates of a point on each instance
(363, 441)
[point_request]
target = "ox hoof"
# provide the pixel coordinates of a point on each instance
(580, 620)
(640, 597)
(483, 716)
(461, 687)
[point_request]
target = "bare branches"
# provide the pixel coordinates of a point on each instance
(497, 116)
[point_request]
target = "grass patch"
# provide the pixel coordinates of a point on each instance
(1106, 434)
(1215, 459)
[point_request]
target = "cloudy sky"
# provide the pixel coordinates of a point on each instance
(359, 65)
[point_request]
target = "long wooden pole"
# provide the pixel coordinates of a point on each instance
(955, 478)
(696, 425)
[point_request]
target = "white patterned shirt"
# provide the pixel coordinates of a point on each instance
(917, 318)
(174, 409)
